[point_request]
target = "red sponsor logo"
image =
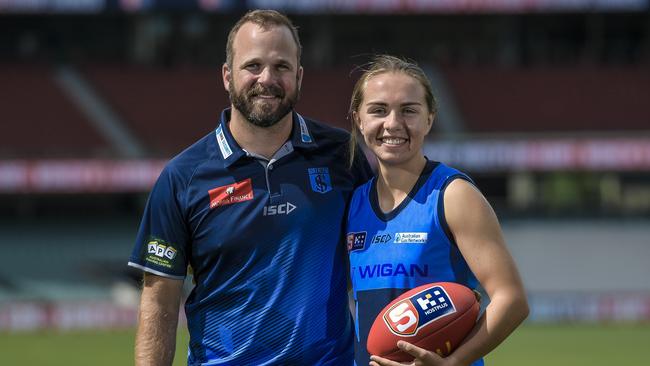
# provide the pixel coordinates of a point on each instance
(232, 193)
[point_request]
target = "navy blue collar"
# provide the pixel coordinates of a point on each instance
(429, 167)
(230, 150)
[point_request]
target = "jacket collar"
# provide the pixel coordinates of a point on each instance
(301, 137)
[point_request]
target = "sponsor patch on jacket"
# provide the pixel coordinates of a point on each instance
(320, 179)
(356, 241)
(414, 238)
(160, 253)
(231, 193)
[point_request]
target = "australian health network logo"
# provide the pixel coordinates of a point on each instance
(406, 317)
(417, 238)
(320, 179)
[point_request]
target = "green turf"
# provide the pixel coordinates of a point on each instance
(531, 345)
(97, 348)
(575, 345)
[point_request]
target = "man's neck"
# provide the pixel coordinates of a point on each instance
(264, 141)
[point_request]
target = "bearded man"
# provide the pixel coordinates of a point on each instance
(256, 210)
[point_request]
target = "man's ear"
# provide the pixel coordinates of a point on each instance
(226, 75)
(299, 77)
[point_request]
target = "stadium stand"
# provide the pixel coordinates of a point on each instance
(491, 100)
(547, 100)
(326, 95)
(39, 121)
(166, 109)
(154, 102)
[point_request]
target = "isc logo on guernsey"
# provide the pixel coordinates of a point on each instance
(281, 209)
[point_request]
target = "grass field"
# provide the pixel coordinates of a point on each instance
(531, 345)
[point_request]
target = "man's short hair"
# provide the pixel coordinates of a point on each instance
(266, 19)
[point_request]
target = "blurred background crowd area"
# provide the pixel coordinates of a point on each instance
(545, 103)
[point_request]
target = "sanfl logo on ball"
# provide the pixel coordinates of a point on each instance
(402, 318)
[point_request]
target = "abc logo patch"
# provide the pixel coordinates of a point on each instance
(406, 317)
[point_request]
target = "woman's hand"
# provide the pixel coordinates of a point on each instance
(422, 357)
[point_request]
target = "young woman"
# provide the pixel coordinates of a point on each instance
(419, 221)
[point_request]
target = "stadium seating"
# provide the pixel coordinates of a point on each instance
(169, 109)
(547, 100)
(39, 120)
(165, 109)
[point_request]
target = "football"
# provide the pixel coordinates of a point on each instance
(435, 316)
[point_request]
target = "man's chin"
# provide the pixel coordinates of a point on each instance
(265, 107)
(264, 119)
(270, 114)
(264, 123)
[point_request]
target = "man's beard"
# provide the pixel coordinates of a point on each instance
(262, 115)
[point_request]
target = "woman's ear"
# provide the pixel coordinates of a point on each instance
(430, 120)
(356, 121)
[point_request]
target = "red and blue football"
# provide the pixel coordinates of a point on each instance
(435, 316)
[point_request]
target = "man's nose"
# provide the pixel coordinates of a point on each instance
(267, 76)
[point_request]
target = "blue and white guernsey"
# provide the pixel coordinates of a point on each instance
(265, 241)
(391, 253)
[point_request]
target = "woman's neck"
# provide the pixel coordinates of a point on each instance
(394, 182)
